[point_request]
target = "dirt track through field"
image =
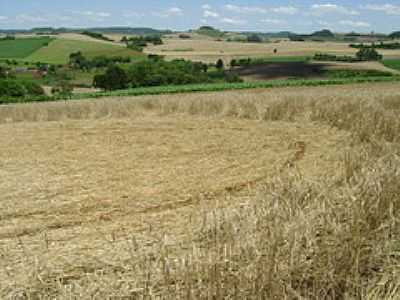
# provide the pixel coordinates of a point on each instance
(64, 182)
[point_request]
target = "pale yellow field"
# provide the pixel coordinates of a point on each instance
(105, 198)
(209, 50)
(81, 37)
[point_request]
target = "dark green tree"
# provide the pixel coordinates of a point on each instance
(254, 38)
(115, 78)
(367, 54)
(220, 64)
(3, 72)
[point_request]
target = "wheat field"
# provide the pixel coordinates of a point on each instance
(291, 193)
(209, 51)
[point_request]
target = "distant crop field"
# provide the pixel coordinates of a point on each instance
(22, 47)
(59, 50)
(208, 50)
(392, 63)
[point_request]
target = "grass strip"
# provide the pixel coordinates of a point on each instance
(212, 87)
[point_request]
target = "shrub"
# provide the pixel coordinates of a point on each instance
(184, 36)
(96, 35)
(78, 61)
(381, 45)
(12, 88)
(330, 57)
(366, 54)
(220, 64)
(33, 89)
(357, 73)
(138, 43)
(3, 73)
(254, 38)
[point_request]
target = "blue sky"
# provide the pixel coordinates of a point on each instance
(298, 16)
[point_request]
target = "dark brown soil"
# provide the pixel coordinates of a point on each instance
(280, 70)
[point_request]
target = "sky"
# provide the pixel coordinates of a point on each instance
(300, 16)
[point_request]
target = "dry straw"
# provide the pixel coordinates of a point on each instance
(303, 202)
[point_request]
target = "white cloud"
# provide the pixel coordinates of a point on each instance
(274, 21)
(324, 23)
(133, 15)
(286, 10)
(25, 18)
(245, 9)
(358, 24)
(206, 7)
(95, 14)
(170, 12)
(3, 18)
(210, 14)
(233, 21)
(64, 18)
(329, 8)
(175, 11)
(389, 9)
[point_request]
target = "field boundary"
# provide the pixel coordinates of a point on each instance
(211, 87)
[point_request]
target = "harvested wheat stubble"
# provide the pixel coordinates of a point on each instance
(98, 195)
(112, 174)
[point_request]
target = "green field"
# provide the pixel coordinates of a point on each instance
(23, 47)
(59, 50)
(211, 87)
(392, 63)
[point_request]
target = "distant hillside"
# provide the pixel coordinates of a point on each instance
(130, 30)
(266, 35)
(210, 31)
(105, 30)
(324, 34)
(395, 35)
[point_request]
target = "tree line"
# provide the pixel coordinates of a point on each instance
(158, 72)
(10, 87)
(138, 43)
(78, 61)
(381, 45)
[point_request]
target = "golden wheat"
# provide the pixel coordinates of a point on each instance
(246, 226)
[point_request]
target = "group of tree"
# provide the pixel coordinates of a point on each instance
(7, 38)
(78, 61)
(158, 72)
(381, 45)
(245, 62)
(332, 57)
(367, 54)
(254, 38)
(364, 54)
(19, 88)
(97, 36)
(3, 72)
(139, 42)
